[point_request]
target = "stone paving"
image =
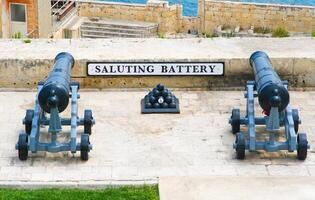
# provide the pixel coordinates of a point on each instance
(236, 188)
(132, 148)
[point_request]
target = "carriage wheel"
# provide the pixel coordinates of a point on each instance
(22, 146)
(236, 121)
(302, 146)
(28, 121)
(88, 121)
(296, 119)
(240, 146)
(85, 142)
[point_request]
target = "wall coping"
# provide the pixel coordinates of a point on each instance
(150, 2)
(111, 3)
(262, 4)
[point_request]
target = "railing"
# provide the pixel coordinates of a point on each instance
(61, 11)
(31, 32)
(67, 20)
(66, 10)
(55, 5)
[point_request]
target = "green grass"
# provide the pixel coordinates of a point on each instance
(17, 35)
(120, 193)
(27, 41)
(313, 33)
(280, 32)
(160, 35)
(228, 34)
(209, 35)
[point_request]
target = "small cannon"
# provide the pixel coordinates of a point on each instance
(273, 97)
(52, 99)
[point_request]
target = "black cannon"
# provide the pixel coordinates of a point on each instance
(271, 90)
(56, 89)
(52, 99)
(273, 97)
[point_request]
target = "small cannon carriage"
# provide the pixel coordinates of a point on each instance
(273, 97)
(52, 99)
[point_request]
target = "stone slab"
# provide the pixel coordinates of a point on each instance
(136, 148)
(236, 188)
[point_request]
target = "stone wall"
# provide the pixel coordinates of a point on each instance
(0, 18)
(169, 18)
(211, 14)
(23, 65)
(299, 72)
(245, 15)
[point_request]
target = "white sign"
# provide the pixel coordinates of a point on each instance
(153, 69)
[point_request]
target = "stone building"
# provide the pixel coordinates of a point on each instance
(28, 18)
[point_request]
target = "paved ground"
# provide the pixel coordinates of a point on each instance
(237, 188)
(139, 148)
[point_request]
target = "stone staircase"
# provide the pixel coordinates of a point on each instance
(95, 28)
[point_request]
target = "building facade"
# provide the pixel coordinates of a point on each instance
(25, 18)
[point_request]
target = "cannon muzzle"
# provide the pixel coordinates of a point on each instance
(56, 89)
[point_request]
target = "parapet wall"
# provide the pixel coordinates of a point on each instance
(169, 18)
(24, 65)
(233, 14)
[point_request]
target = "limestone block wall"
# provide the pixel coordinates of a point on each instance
(0, 18)
(26, 73)
(211, 13)
(168, 17)
(189, 23)
(24, 65)
(293, 18)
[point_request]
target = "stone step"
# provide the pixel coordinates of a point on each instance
(117, 28)
(93, 36)
(106, 36)
(114, 29)
(95, 32)
(119, 25)
(86, 34)
(110, 34)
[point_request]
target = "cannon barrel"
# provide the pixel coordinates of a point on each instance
(270, 89)
(56, 89)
